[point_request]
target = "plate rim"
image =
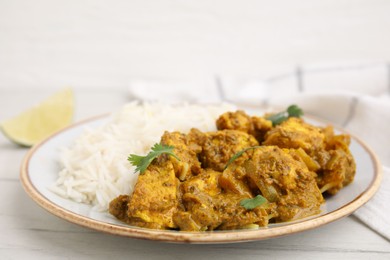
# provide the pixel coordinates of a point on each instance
(196, 237)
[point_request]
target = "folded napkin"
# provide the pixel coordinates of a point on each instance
(356, 96)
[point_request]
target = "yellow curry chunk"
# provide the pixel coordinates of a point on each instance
(208, 207)
(322, 151)
(220, 146)
(295, 133)
(239, 120)
(154, 200)
(338, 169)
(290, 165)
(285, 181)
(187, 150)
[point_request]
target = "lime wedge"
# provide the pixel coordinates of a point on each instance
(40, 121)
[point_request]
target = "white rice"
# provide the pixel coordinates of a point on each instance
(95, 169)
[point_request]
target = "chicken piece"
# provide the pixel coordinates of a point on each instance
(342, 142)
(338, 173)
(207, 207)
(186, 149)
(220, 146)
(239, 120)
(185, 222)
(196, 193)
(154, 200)
(295, 133)
(285, 181)
(118, 208)
(338, 169)
(322, 151)
(235, 216)
(261, 126)
(197, 198)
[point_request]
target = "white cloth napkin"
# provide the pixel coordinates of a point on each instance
(357, 97)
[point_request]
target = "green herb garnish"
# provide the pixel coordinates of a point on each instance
(252, 203)
(292, 111)
(142, 162)
(238, 154)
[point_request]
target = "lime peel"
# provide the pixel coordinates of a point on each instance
(42, 120)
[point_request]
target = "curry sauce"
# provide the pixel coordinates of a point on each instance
(291, 165)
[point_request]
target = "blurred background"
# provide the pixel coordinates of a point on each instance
(105, 44)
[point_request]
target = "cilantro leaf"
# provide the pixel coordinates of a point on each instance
(142, 162)
(252, 203)
(291, 111)
(294, 111)
(238, 154)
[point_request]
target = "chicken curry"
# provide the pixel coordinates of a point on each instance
(214, 176)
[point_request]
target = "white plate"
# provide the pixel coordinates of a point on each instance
(40, 169)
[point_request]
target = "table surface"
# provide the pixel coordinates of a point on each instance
(29, 231)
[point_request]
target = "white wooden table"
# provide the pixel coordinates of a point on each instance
(28, 231)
